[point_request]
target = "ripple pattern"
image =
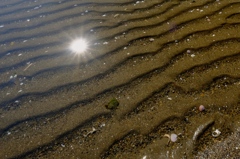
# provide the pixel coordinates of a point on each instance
(160, 59)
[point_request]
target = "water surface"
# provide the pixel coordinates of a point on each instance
(160, 59)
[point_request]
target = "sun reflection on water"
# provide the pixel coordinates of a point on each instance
(79, 46)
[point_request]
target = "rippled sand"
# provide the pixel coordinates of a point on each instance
(160, 59)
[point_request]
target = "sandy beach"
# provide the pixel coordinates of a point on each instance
(159, 79)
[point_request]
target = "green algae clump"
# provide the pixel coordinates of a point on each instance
(113, 104)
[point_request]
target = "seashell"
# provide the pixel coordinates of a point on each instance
(200, 130)
(173, 137)
(216, 133)
(201, 108)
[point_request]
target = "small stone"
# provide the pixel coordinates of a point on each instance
(105, 43)
(102, 125)
(151, 39)
(116, 15)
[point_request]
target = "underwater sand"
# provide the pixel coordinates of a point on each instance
(160, 59)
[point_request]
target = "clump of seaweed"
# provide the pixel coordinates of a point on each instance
(113, 104)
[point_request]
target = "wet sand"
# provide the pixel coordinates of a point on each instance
(160, 59)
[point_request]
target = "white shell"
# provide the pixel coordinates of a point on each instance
(173, 137)
(216, 133)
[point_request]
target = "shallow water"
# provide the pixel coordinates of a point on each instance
(160, 59)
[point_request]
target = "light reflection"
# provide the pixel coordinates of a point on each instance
(79, 46)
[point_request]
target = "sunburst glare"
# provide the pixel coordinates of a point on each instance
(79, 46)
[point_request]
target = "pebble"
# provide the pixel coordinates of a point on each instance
(151, 39)
(105, 43)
